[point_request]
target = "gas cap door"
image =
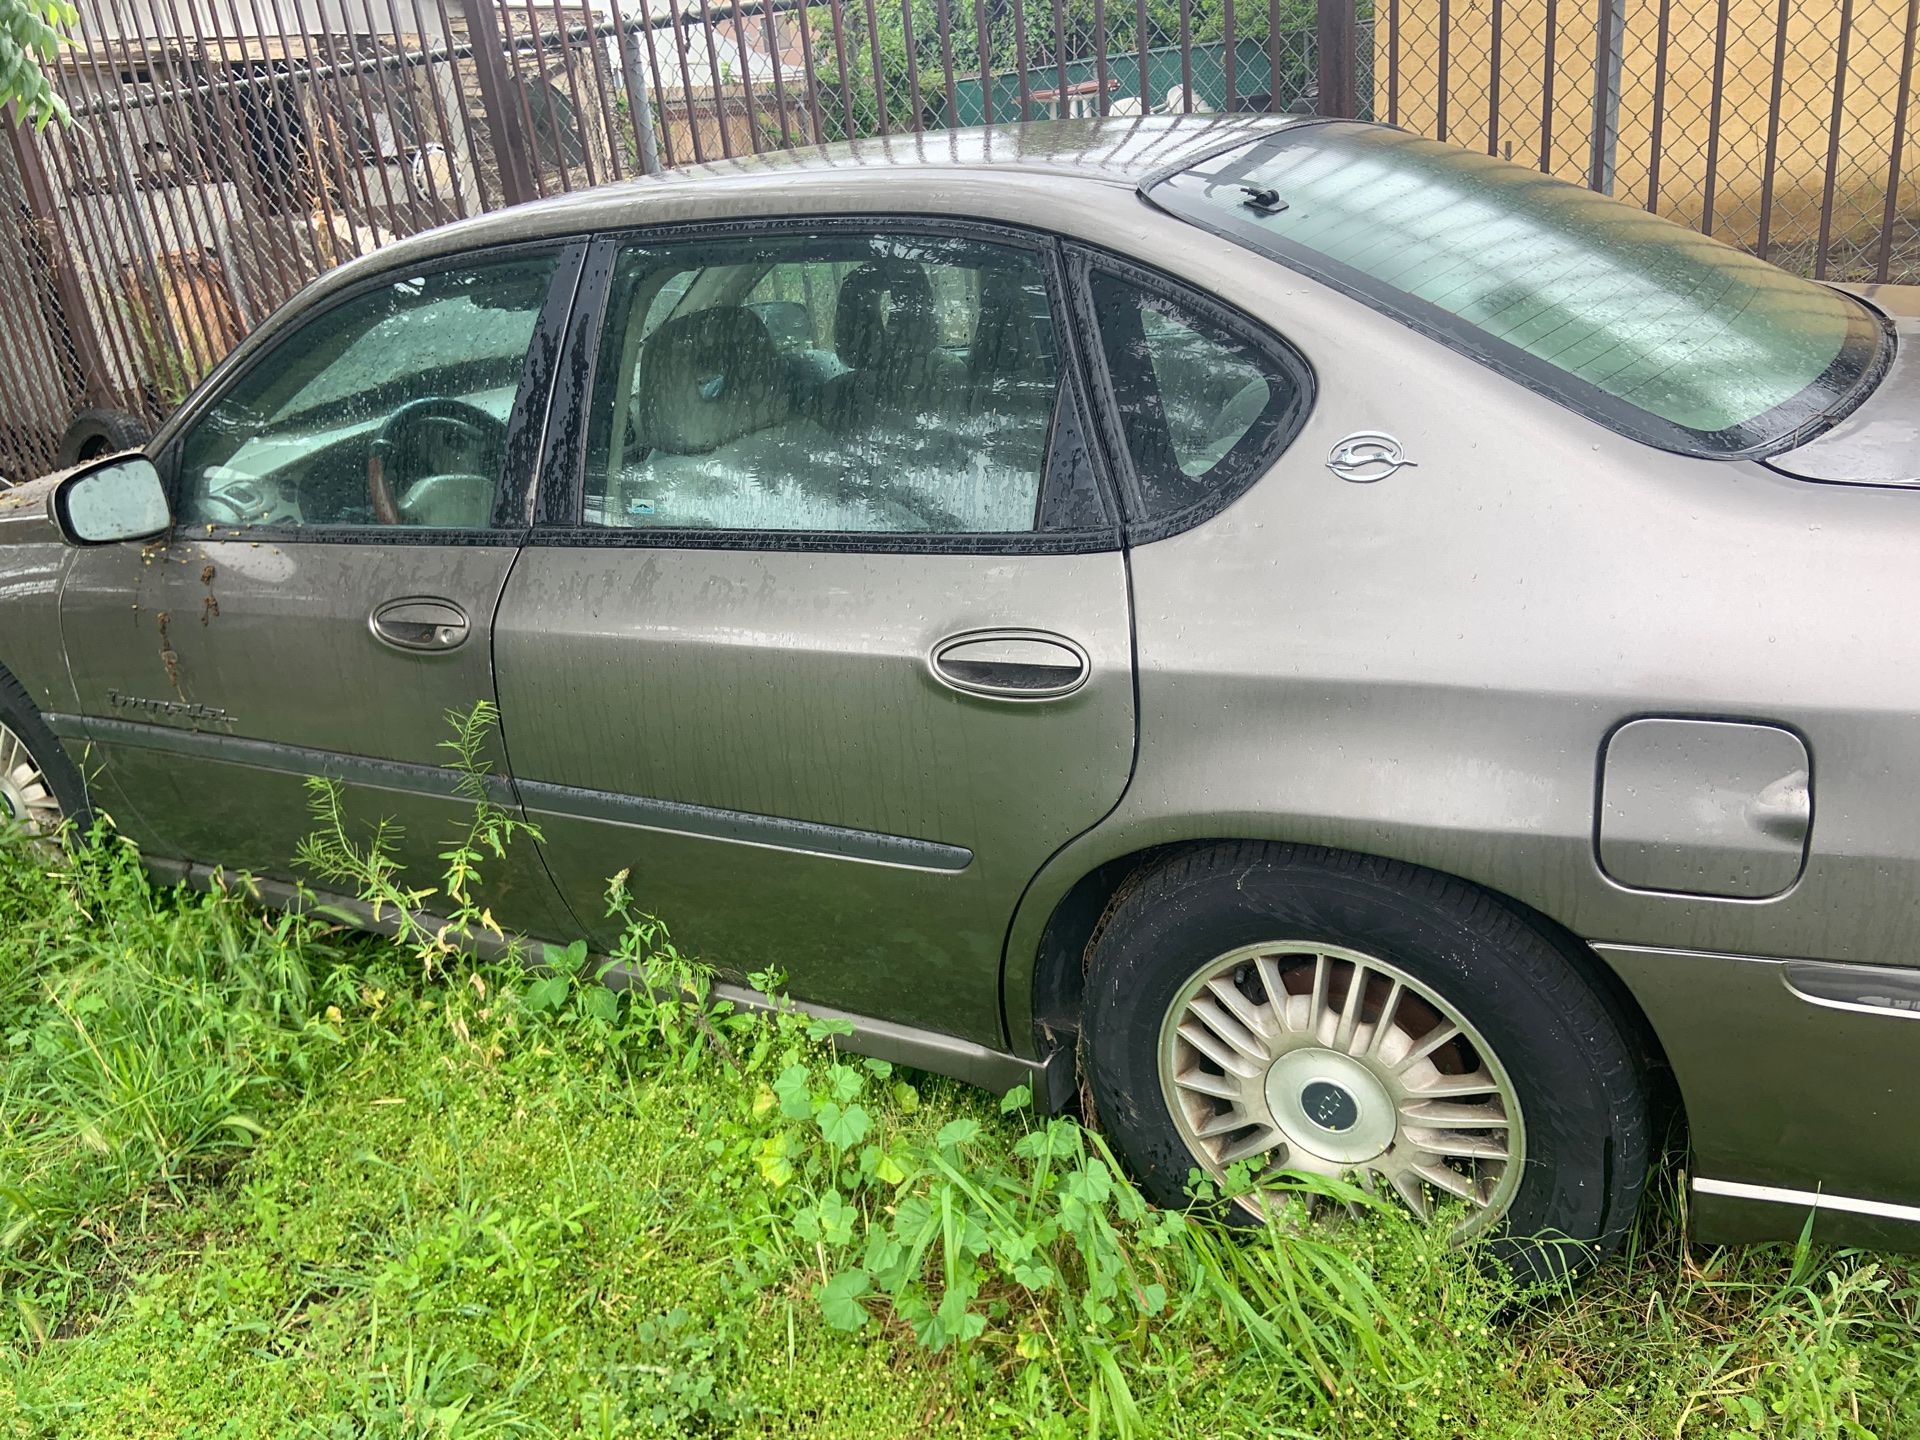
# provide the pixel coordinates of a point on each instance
(1705, 807)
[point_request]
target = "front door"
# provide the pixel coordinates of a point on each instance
(829, 648)
(346, 520)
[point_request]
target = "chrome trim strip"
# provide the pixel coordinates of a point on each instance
(1808, 1199)
(565, 802)
(362, 770)
(740, 827)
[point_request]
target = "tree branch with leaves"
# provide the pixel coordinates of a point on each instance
(30, 38)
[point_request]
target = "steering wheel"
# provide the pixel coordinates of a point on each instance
(486, 433)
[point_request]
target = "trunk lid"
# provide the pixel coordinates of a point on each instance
(1879, 443)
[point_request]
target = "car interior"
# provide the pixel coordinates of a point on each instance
(897, 394)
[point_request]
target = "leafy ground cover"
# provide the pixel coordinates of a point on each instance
(260, 1177)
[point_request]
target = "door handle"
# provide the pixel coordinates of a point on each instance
(1011, 664)
(420, 623)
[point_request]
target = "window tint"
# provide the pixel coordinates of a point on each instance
(1198, 403)
(896, 384)
(390, 408)
(1652, 328)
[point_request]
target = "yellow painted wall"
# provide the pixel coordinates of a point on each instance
(1875, 42)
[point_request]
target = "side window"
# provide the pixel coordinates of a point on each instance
(390, 408)
(897, 384)
(1201, 406)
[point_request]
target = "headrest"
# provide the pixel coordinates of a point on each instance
(884, 313)
(707, 378)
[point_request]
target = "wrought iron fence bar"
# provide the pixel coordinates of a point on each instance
(453, 206)
(469, 133)
(1663, 38)
(746, 76)
(97, 308)
(1186, 55)
(986, 63)
(570, 63)
(239, 166)
(200, 135)
(1062, 91)
(1022, 62)
(1495, 19)
(1230, 43)
(1772, 153)
(1274, 47)
(1393, 62)
(812, 71)
(372, 133)
(720, 108)
(944, 22)
(1833, 137)
(686, 85)
(772, 32)
(524, 93)
(40, 221)
(393, 121)
(138, 217)
(879, 80)
(1711, 191)
(1546, 88)
(837, 13)
(1902, 114)
(168, 209)
(642, 94)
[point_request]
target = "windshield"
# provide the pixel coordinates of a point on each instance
(1651, 328)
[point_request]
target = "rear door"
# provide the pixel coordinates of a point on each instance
(349, 506)
(827, 644)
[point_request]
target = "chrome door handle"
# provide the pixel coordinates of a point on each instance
(1011, 664)
(420, 623)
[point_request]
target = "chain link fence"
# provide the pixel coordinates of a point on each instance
(224, 152)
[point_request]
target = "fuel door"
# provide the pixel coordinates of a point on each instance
(1705, 807)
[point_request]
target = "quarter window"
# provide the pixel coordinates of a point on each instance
(855, 384)
(1201, 405)
(390, 408)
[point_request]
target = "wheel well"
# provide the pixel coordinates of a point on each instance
(1066, 946)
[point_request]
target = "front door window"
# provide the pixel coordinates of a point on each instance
(390, 408)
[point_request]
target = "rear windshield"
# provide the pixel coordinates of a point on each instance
(1649, 327)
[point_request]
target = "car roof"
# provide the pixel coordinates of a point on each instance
(912, 170)
(1111, 151)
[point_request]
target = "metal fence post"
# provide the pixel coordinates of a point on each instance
(1333, 34)
(510, 148)
(93, 381)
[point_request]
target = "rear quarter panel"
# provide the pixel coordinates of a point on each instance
(1427, 667)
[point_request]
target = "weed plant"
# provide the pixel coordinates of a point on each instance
(261, 1176)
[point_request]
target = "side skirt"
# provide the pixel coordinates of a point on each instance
(1053, 1079)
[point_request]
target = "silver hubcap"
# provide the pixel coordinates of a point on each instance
(1311, 1058)
(25, 796)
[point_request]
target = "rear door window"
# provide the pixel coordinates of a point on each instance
(889, 383)
(1656, 330)
(1204, 403)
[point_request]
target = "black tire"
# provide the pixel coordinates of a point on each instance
(18, 714)
(1568, 1052)
(96, 432)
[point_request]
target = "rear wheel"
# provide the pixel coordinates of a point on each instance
(1313, 1011)
(40, 791)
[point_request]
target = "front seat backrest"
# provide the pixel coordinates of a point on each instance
(707, 378)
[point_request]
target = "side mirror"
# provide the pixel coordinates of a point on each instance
(117, 499)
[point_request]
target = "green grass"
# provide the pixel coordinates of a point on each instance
(262, 1178)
